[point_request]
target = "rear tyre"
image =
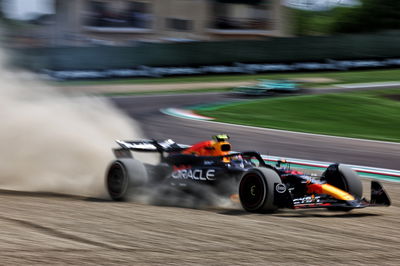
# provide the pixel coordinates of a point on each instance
(123, 177)
(345, 178)
(256, 190)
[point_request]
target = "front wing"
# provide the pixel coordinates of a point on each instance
(283, 199)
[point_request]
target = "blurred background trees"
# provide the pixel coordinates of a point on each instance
(369, 16)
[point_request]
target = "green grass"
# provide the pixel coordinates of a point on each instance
(366, 114)
(340, 77)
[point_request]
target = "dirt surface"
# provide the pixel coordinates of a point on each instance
(44, 229)
(316, 80)
(114, 88)
(123, 88)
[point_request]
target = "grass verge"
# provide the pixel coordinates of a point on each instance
(367, 114)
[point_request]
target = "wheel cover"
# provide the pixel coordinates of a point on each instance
(116, 181)
(252, 191)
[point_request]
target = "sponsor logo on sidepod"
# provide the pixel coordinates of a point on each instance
(195, 174)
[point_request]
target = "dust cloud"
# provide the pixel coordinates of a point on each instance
(58, 142)
(195, 195)
(53, 142)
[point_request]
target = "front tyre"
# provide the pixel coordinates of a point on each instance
(256, 190)
(344, 178)
(123, 176)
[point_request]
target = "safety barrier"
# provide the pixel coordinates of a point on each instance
(271, 50)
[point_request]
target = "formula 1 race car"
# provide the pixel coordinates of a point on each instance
(268, 87)
(260, 187)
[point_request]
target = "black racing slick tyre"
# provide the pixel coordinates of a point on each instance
(123, 176)
(256, 190)
(345, 178)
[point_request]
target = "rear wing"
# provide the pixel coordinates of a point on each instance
(146, 146)
(152, 145)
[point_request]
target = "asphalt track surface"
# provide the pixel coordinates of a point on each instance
(40, 229)
(145, 109)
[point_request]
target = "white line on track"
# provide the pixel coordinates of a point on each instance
(369, 85)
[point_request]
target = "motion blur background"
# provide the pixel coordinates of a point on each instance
(54, 139)
(69, 35)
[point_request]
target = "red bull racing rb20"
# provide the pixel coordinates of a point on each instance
(212, 166)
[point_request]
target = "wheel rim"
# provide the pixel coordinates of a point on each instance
(252, 191)
(116, 181)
